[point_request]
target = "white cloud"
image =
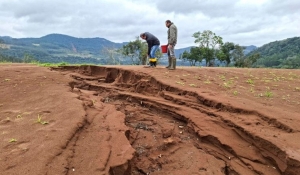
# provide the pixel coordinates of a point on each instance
(243, 22)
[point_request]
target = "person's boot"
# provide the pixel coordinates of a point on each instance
(170, 60)
(173, 64)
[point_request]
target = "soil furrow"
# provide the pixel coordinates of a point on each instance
(163, 118)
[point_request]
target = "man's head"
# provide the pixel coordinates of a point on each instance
(143, 35)
(168, 23)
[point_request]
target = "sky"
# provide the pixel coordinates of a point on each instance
(244, 22)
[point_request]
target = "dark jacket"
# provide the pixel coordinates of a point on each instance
(172, 34)
(151, 41)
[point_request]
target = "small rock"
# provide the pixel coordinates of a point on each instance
(181, 127)
(76, 90)
(169, 141)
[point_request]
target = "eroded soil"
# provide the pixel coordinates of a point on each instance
(135, 120)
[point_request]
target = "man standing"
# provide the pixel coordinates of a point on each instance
(172, 41)
(153, 44)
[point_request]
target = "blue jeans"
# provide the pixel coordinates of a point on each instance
(153, 51)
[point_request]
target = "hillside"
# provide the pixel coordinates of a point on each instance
(58, 47)
(279, 54)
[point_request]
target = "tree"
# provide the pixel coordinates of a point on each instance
(292, 63)
(250, 60)
(224, 53)
(208, 41)
(241, 60)
(133, 50)
(113, 55)
(238, 55)
(143, 53)
(28, 58)
(195, 55)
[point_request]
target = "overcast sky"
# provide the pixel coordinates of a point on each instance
(244, 22)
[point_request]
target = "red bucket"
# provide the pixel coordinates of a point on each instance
(164, 48)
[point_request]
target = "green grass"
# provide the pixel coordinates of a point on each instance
(268, 93)
(250, 81)
(12, 140)
(207, 82)
(222, 77)
(49, 64)
(19, 116)
(39, 120)
(228, 84)
(58, 64)
(179, 82)
(235, 92)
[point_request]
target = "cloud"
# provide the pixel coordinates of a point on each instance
(244, 22)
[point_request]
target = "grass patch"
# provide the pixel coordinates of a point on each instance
(12, 140)
(179, 82)
(39, 120)
(58, 64)
(250, 81)
(252, 90)
(268, 93)
(207, 82)
(235, 93)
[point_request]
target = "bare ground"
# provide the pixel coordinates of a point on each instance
(132, 120)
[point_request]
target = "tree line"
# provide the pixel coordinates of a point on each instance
(211, 48)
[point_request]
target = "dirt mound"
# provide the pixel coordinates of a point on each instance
(130, 120)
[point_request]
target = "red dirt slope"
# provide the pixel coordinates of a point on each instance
(132, 120)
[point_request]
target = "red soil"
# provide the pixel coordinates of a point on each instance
(132, 120)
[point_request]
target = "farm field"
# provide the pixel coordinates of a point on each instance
(133, 120)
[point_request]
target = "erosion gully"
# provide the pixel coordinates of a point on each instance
(172, 131)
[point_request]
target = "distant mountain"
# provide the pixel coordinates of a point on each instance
(58, 47)
(249, 49)
(279, 54)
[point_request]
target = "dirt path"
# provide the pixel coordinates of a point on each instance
(133, 120)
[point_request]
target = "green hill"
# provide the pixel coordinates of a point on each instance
(57, 48)
(279, 54)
